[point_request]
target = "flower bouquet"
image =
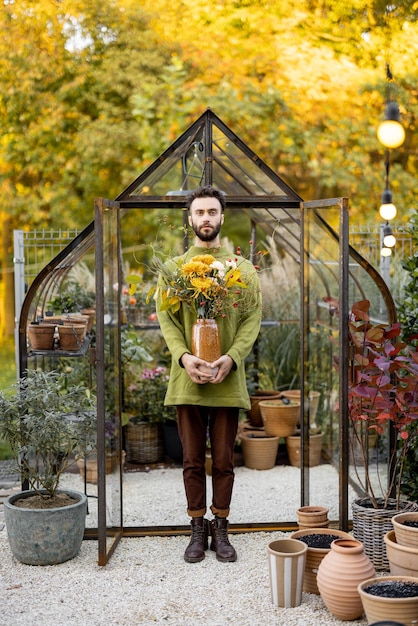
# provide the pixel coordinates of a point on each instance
(203, 283)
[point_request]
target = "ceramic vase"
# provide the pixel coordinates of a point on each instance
(315, 555)
(340, 573)
(287, 559)
(206, 341)
(401, 610)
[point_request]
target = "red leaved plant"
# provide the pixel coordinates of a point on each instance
(383, 389)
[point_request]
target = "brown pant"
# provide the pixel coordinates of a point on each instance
(194, 422)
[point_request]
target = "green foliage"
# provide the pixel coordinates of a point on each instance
(47, 423)
(93, 108)
(71, 298)
(409, 483)
(7, 359)
(407, 307)
(144, 397)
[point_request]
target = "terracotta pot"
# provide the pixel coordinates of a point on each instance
(406, 535)
(339, 574)
(206, 341)
(381, 608)
(403, 560)
(371, 525)
(315, 555)
(91, 314)
(294, 449)
(259, 450)
(41, 336)
(71, 337)
(254, 414)
(314, 397)
(312, 517)
(279, 419)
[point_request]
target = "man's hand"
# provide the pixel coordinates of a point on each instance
(224, 364)
(200, 371)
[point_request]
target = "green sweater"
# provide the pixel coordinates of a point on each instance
(238, 332)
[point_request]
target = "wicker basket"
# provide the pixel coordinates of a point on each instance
(280, 419)
(371, 525)
(259, 450)
(144, 443)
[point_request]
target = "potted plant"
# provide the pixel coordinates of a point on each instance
(382, 394)
(71, 298)
(47, 424)
(144, 404)
(390, 598)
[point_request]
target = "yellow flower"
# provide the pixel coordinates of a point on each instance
(201, 284)
(232, 278)
(207, 259)
(195, 268)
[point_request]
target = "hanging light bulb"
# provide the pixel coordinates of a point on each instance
(389, 239)
(385, 252)
(387, 208)
(390, 132)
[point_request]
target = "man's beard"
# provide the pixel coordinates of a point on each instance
(207, 236)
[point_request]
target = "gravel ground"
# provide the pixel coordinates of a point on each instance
(147, 580)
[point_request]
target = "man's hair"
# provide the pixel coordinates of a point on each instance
(207, 192)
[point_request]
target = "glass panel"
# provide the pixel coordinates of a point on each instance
(208, 150)
(321, 277)
(277, 363)
(175, 170)
(110, 487)
(236, 173)
(327, 269)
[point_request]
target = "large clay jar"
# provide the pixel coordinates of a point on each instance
(340, 573)
(319, 541)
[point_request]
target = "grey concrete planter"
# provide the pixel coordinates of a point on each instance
(45, 536)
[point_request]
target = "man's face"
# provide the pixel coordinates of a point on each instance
(206, 218)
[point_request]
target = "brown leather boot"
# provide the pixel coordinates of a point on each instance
(195, 551)
(220, 542)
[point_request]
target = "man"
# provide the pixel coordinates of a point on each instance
(208, 399)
